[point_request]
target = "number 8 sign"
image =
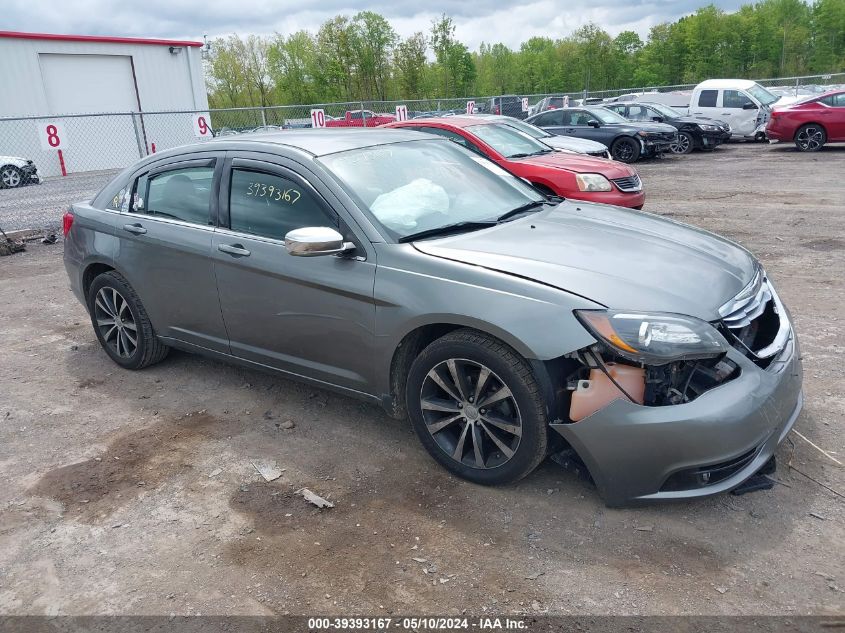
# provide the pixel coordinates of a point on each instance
(52, 135)
(202, 126)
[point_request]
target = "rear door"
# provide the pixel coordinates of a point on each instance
(309, 316)
(706, 103)
(551, 121)
(165, 242)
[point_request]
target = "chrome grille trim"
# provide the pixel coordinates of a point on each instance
(629, 183)
(749, 304)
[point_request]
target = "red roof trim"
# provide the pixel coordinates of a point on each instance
(94, 38)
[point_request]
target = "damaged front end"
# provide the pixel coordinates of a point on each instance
(670, 406)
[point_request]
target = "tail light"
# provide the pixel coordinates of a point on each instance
(67, 222)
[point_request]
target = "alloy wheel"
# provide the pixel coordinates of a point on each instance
(10, 177)
(681, 146)
(115, 322)
(471, 413)
(810, 138)
(623, 152)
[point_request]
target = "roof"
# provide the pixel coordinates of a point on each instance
(455, 121)
(726, 83)
(101, 39)
(324, 141)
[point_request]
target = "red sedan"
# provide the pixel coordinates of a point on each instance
(810, 122)
(560, 173)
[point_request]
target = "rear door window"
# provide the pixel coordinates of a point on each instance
(551, 118)
(177, 194)
(707, 98)
(270, 205)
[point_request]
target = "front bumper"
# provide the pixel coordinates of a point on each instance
(632, 451)
(30, 174)
(714, 139)
(632, 200)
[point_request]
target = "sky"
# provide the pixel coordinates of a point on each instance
(476, 20)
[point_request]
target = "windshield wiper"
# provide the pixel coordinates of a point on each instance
(540, 152)
(520, 155)
(457, 227)
(523, 208)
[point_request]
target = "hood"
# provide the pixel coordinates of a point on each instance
(572, 143)
(700, 120)
(626, 260)
(580, 164)
(13, 160)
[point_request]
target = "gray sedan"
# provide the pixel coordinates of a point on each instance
(407, 271)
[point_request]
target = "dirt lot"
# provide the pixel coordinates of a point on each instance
(134, 492)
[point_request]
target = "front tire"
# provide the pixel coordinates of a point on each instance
(625, 150)
(810, 138)
(10, 177)
(121, 323)
(684, 145)
(476, 407)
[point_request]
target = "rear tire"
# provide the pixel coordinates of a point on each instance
(10, 177)
(625, 150)
(477, 409)
(121, 323)
(810, 138)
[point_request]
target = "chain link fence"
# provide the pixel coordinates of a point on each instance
(77, 143)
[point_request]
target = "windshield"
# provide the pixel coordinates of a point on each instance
(607, 116)
(527, 128)
(509, 142)
(762, 95)
(665, 110)
(418, 186)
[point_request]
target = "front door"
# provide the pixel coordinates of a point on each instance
(309, 316)
(165, 249)
(740, 111)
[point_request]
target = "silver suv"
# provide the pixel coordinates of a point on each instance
(402, 269)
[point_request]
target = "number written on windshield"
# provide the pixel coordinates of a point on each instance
(270, 192)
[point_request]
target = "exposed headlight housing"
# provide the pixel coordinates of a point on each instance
(709, 128)
(643, 133)
(592, 182)
(654, 339)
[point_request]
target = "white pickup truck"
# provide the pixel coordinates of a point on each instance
(744, 104)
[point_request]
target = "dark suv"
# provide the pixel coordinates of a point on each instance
(508, 105)
(693, 132)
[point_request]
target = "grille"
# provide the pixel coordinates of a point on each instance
(756, 321)
(600, 153)
(747, 305)
(629, 184)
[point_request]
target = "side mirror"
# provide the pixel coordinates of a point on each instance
(658, 119)
(749, 106)
(593, 123)
(312, 241)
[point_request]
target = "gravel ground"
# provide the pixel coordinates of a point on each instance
(41, 206)
(134, 492)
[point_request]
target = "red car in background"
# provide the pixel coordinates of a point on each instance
(811, 122)
(559, 173)
(361, 118)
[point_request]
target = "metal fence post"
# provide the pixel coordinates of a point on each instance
(142, 149)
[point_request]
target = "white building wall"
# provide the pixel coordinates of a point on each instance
(165, 81)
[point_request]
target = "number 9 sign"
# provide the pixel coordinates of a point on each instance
(202, 126)
(52, 135)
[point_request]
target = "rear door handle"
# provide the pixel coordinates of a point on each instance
(233, 249)
(136, 228)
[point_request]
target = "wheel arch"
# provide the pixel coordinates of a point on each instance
(91, 272)
(803, 125)
(419, 337)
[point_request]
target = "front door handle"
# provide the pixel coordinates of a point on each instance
(136, 228)
(233, 249)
